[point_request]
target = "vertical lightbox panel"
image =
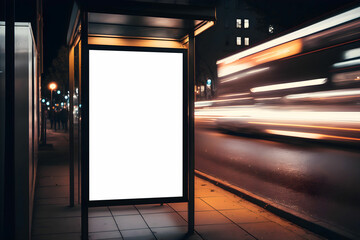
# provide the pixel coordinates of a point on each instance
(135, 125)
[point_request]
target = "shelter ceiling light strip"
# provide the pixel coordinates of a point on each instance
(198, 31)
(317, 27)
(282, 86)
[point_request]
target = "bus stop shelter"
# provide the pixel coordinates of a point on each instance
(131, 80)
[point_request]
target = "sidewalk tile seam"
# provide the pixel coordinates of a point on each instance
(231, 220)
(178, 214)
(285, 228)
(117, 226)
(144, 221)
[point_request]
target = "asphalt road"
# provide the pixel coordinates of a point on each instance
(319, 181)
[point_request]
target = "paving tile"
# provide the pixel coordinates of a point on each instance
(130, 222)
(222, 203)
(179, 207)
(105, 235)
(223, 232)
(291, 226)
(138, 234)
(200, 205)
(52, 192)
(99, 212)
(123, 210)
(174, 233)
(102, 224)
(67, 236)
(208, 217)
(286, 224)
(256, 208)
(164, 220)
(269, 230)
(51, 201)
(154, 208)
(208, 192)
(53, 171)
(55, 211)
(243, 216)
(53, 181)
(56, 225)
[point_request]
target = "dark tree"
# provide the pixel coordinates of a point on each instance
(59, 70)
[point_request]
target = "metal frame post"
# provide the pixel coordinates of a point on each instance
(71, 127)
(9, 163)
(191, 80)
(84, 124)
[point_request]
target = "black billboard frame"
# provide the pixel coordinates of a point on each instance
(188, 137)
(185, 134)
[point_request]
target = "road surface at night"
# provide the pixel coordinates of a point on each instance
(318, 181)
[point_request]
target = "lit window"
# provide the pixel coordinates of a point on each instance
(238, 23)
(246, 41)
(246, 23)
(271, 28)
(238, 40)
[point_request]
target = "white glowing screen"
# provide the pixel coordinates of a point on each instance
(136, 117)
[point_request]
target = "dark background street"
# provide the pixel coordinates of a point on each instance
(315, 180)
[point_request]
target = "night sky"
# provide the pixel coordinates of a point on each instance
(56, 21)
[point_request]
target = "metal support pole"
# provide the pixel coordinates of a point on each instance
(71, 127)
(43, 124)
(191, 69)
(9, 164)
(84, 125)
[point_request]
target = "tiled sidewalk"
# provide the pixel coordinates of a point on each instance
(219, 215)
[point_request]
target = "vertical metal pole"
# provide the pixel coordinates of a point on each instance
(9, 164)
(71, 125)
(45, 121)
(191, 69)
(84, 124)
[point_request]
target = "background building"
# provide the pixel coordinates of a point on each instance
(238, 27)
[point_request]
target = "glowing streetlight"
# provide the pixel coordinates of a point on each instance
(52, 86)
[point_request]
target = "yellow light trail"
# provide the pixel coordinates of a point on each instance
(308, 135)
(306, 126)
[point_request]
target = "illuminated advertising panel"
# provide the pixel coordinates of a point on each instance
(135, 124)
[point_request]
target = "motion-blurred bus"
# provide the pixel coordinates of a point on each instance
(305, 84)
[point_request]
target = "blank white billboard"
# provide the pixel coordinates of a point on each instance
(135, 125)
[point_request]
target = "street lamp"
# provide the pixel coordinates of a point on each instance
(52, 86)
